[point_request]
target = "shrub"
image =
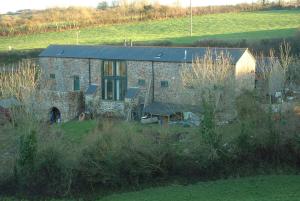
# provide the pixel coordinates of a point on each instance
(26, 160)
(115, 157)
(118, 154)
(97, 165)
(43, 165)
(52, 173)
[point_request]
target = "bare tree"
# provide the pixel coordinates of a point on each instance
(17, 78)
(20, 82)
(211, 79)
(270, 73)
(285, 60)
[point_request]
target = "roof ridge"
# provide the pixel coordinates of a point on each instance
(141, 53)
(146, 46)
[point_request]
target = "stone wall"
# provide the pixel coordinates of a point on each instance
(175, 92)
(42, 101)
(96, 72)
(58, 91)
(66, 68)
(115, 108)
(163, 71)
(140, 70)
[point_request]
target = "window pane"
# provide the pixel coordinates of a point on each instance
(52, 76)
(123, 89)
(105, 90)
(105, 67)
(120, 68)
(117, 68)
(123, 68)
(118, 89)
(108, 68)
(109, 94)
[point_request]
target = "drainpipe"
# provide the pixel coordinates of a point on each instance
(89, 71)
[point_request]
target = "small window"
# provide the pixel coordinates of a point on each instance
(52, 76)
(141, 82)
(76, 83)
(164, 83)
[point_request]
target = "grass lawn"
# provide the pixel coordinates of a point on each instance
(76, 130)
(228, 26)
(259, 188)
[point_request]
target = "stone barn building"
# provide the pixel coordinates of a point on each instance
(120, 80)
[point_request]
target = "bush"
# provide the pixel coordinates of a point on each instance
(114, 158)
(43, 165)
(26, 162)
(52, 174)
(123, 155)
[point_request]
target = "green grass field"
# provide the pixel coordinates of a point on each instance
(259, 188)
(230, 26)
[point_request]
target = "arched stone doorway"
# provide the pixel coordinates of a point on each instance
(55, 115)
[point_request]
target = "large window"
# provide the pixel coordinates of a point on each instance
(114, 80)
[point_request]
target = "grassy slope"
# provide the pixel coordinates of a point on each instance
(230, 26)
(261, 188)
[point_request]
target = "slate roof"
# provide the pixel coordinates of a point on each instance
(92, 89)
(159, 108)
(9, 102)
(132, 92)
(136, 53)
